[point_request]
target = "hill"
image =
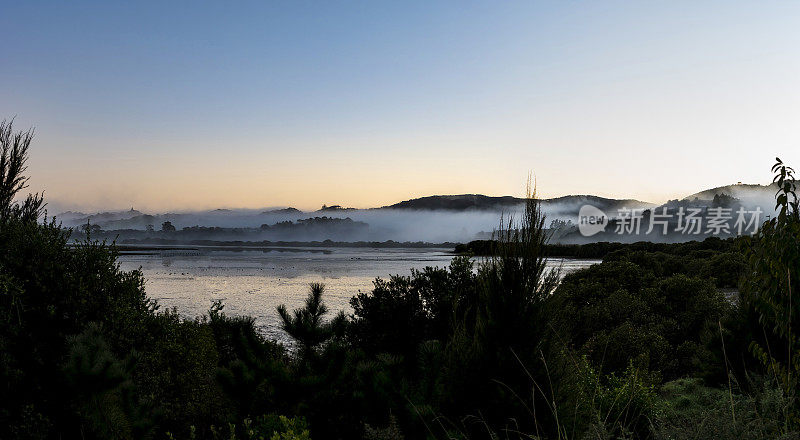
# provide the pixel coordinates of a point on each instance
(288, 210)
(736, 190)
(478, 202)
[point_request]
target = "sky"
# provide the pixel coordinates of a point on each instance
(175, 106)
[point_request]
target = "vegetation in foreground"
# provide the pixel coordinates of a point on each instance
(650, 343)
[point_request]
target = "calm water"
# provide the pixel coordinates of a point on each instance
(255, 282)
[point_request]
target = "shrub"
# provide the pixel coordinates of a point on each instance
(689, 410)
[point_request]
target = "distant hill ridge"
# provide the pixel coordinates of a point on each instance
(457, 202)
(288, 210)
(736, 190)
(460, 202)
(481, 202)
(80, 218)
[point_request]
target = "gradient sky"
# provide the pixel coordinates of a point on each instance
(190, 105)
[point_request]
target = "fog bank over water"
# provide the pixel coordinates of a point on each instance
(435, 219)
(380, 225)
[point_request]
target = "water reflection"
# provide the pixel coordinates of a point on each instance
(255, 282)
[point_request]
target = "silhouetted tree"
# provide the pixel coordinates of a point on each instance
(13, 159)
(723, 201)
(306, 326)
(90, 229)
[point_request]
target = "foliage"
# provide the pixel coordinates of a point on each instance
(499, 334)
(498, 349)
(404, 311)
(13, 163)
(390, 432)
(616, 406)
(689, 410)
(773, 258)
(620, 311)
(306, 325)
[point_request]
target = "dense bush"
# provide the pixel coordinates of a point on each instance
(642, 345)
(687, 409)
(85, 353)
(404, 311)
(620, 311)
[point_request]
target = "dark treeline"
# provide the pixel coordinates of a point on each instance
(302, 230)
(602, 249)
(267, 243)
(643, 345)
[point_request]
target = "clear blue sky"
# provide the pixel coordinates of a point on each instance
(192, 105)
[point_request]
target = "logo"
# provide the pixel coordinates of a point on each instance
(686, 220)
(591, 220)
